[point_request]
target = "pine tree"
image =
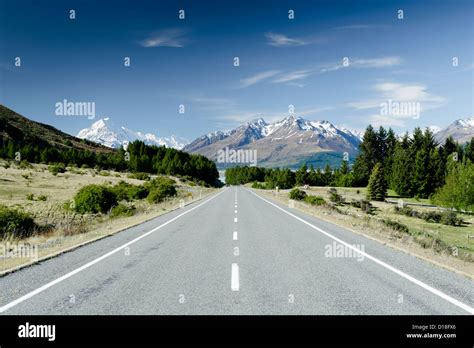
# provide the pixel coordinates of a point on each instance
(367, 157)
(377, 188)
(302, 175)
(400, 178)
(469, 150)
(390, 151)
(420, 181)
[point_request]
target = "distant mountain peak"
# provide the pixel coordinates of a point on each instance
(106, 133)
(461, 130)
(290, 138)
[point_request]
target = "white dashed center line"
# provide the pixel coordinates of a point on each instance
(234, 237)
(234, 282)
(235, 219)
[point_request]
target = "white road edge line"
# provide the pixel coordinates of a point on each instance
(234, 282)
(425, 286)
(234, 237)
(93, 262)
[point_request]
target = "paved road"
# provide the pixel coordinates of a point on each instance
(235, 253)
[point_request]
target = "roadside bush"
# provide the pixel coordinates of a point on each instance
(139, 176)
(160, 188)
(24, 164)
(335, 197)
(94, 199)
(16, 223)
(403, 211)
(430, 216)
(259, 185)
(450, 218)
(447, 218)
(122, 210)
(314, 200)
(366, 206)
(128, 192)
(57, 168)
(30, 197)
(394, 225)
(297, 194)
(42, 198)
(363, 204)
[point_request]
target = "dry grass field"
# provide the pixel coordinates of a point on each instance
(448, 246)
(45, 197)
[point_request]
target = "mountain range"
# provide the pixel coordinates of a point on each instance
(461, 130)
(105, 132)
(289, 142)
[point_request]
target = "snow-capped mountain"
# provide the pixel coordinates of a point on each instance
(106, 133)
(461, 130)
(287, 141)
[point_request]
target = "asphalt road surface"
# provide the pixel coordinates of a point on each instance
(235, 253)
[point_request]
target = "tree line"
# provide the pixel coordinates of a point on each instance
(138, 157)
(412, 166)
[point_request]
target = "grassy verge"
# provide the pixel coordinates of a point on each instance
(43, 194)
(444, 245)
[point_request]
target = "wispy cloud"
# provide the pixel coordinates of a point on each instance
(281, 40)
(249, 81)
(292, 76)
(173, 37)
(381, 62)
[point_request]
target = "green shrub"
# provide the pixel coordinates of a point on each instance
(139, 176)
(160, 188)
(16, 223)
(259, 185)
(128, 192)
(30, 197)
(42, 198)
(94, 199)
(104, 173)
(335, 197)
(122, 210)
(430, 216)
(24, 164)
(297, 194)
(355, 203)
(57, 168)
(314, 200)
(395, 225)
(450, 218)
(366, 206)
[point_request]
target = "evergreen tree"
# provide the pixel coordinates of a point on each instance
(420, 178)
(401, 175)
(469, 150)
(390, 151)
(377, 188)
(302, 175)
(368, 156)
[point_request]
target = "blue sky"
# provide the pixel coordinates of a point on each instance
(282, 61)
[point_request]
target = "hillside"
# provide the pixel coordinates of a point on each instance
(23, 131)
(288, 142)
